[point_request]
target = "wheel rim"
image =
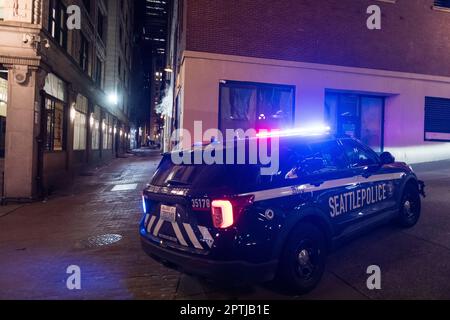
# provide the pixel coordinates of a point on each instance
(410, 207)
(306, 260)
(407, 208)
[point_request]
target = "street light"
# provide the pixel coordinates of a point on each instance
(113, 98)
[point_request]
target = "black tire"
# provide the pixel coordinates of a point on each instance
(303, 260)
(410, 207)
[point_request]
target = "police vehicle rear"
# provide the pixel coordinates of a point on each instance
(232, 223)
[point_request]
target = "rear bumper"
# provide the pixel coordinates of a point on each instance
(220, 271)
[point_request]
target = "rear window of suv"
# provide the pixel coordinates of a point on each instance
(309, 158)
(239, 177)
(297, 159)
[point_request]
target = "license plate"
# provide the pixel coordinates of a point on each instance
(168, 213)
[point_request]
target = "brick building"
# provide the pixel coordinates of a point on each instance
(242, 64)
(63, 99)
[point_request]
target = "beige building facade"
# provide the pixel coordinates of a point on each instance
(56, 107)
(390, 88)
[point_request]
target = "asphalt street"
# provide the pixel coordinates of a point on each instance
(94, 225)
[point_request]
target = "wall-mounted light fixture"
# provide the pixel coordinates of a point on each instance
(92, 120)
(73, 112)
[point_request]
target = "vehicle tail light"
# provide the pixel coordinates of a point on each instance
(226, 212)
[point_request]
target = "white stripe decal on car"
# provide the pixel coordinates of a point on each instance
(206, 236)
(382, 177)
(297, 189)
(192, 236)
(158, 227)
(180, 237)
(150, 224)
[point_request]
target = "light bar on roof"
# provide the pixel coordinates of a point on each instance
(306, 131)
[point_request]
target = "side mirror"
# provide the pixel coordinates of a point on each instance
(387, 158)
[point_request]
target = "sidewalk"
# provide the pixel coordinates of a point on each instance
(432, 170)
(40, 240)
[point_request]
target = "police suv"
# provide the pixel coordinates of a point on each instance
(231, 223)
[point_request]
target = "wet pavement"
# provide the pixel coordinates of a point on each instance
(94, 225)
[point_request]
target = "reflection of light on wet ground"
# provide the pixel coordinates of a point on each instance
(99, 241)
(125, 187)
(432, 151)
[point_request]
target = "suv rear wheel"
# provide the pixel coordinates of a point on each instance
(303, 260)
(410, 207)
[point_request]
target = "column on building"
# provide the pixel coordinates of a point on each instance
(22, 175)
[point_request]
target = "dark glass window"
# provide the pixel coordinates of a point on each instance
(57, 22)
(437, 119)
(255, 105)
(54, 114)
(442, 3)
(357, 116)
(298, 160)
(99, 73)
(84, 53)
(359, 155)
(3, 108)
(100, 25)
(241, 178)
(87, 5)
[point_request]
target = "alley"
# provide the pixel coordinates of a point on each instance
(94, 225)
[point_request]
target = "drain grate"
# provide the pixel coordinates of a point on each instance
(99, 241)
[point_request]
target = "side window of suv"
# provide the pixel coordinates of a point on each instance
(331, 155)
(358, 155)
(318, 158)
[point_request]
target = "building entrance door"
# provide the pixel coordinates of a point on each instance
(357, 116)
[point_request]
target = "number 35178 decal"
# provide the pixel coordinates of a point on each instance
(201, 204)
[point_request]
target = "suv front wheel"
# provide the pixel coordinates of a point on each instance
(410, 207)
(303, 260)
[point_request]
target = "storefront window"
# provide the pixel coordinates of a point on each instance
(80, 123)
(254, 105)
(107, 131)
(79, 138)
(55, 124)
(55, 98)
(55, 87)
(95, 128)
(3, 104)
(372, 122)
(357, 116)
(2, 10)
